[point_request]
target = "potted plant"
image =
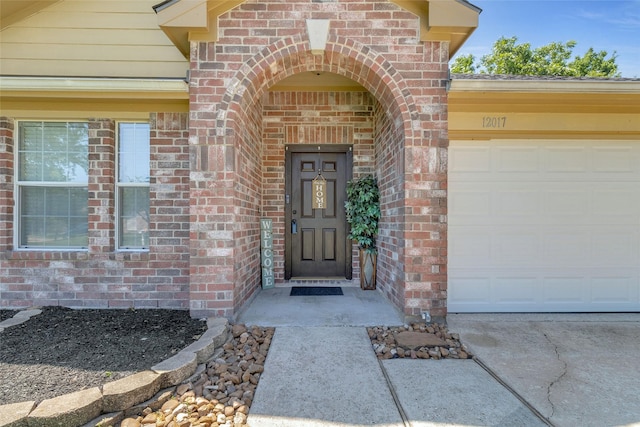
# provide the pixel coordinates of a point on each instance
(362, 207)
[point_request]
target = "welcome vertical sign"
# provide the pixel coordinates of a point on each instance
(266, 253)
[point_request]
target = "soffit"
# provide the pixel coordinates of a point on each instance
(192, 20)
(12, 11)
(444, 20)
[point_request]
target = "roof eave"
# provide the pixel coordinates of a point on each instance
(87, 87)
(451, 21)
(194, 20)
(532, 85)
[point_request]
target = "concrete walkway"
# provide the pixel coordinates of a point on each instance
(329, 376)
(575, 369)
(274, 307)
(564, 370)
(325, 373)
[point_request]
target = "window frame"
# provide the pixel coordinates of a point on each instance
(120, 185)
(19, 185)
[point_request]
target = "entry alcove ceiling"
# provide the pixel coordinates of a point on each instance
(317, 81)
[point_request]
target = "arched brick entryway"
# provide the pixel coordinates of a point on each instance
(231, 168)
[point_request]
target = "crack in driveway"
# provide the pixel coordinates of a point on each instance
(558, 379)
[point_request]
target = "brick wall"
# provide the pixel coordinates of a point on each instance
(374, 43)
(248, 189)
(390, 172)
(101, 276)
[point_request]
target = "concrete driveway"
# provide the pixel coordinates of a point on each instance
(573, 369)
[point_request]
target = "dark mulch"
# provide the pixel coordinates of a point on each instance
(6, 314)
(62, 350)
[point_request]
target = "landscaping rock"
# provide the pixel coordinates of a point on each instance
(417, 341)
(412, 340)
(223, 390)
(130, 422)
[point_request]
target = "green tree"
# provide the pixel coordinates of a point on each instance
(464, 64)
(596, 64)
(554, 59)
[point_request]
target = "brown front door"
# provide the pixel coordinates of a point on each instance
(316, 239)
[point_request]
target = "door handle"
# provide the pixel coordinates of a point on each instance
(294, 227)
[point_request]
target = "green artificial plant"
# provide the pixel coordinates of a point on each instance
(363, 211)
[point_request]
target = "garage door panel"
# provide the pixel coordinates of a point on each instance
(613, 246)
(519, 202)
(481, 246)
(616, 202)
(565, 290)
(544, 226)
(516, 290)
(470, 290)
(471, 159)
(573, 203)
(472, 247)
(615, 159)
(621, 290)
(561, 247)
(555, 161)
(517, 159)
(470, 203)
(516, 247)
(563, 159)
(529, 290)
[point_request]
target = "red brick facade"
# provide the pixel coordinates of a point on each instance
(101, 276)
(377, 45)
(215, 173)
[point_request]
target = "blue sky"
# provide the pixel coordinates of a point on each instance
(611, 25)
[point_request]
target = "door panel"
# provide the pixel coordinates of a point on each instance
(318, 247)
(329, 244)
(307, 244)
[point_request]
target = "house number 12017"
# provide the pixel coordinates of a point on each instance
(494, 121)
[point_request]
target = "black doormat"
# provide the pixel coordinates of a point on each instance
(315, 290)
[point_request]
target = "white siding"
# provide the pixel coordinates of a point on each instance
(91, 39)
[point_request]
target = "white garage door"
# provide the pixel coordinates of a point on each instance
(544, 226)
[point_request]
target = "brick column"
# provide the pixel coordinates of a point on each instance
(101, 211)
(6, 184)
(169, 209)
(426, 189)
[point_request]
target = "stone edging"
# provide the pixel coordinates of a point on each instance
(18, 318)
(81, 407)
